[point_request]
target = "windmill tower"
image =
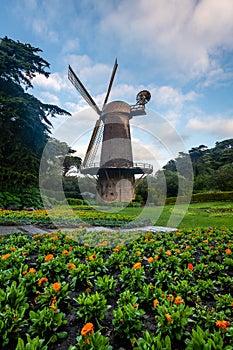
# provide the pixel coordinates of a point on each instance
(116, 172)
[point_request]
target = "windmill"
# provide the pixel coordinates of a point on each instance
(115, 174)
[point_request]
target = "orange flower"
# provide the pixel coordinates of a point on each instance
(170, 297)
(155, 302)
(135, 306)
(53, 307)
(56, 286)
(48, 257)
(24, 272)
(168, 317)
(12, 249)
(178, 251)
(71, 266)
(187, 247)
(150, 259)
(92, 257)
(156, 257)
(70, 249)
(190, 267)
(222, 324)
(42, 280)
(55, 238)
(6, 256)
(138, 252)
(168, 253)
(117, 249)
(87, 329)
(228, 251)
(137, 265)
(65, 252)
(178, 300)
(32, 270)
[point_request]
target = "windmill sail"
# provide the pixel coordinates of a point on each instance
(95, 140)
(111, 82)
(82, 90)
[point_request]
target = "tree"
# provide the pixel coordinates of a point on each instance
(24, 120)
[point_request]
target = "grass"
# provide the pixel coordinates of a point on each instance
(182, 216)
(207, 214)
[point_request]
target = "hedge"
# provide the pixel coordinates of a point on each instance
(202, 197)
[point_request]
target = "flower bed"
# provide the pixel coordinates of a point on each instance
(66, 217)
(160, 290)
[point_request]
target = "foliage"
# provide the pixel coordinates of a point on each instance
(203, 197)
(24, 120)
(184, 281)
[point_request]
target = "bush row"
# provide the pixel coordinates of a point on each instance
(203, 197)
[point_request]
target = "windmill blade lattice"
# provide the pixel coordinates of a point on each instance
(110, 82)
(95, 135)
(98, 139)
(82, 90)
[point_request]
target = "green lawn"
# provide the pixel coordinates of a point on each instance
(219, 214)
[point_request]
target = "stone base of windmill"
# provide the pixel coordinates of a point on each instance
(116, 188)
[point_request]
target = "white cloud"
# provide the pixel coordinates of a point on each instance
(170, 97)
(54, 82)
(212, 125)
(184, 33)
(47, 97)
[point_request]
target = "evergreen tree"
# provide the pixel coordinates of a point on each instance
(24, 120)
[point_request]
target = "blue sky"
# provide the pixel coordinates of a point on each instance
(179, 50)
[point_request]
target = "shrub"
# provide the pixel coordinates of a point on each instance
(202, 197)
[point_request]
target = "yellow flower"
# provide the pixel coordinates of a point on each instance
(87, 329)
(137, 265)
(56, 286)
(48, 257)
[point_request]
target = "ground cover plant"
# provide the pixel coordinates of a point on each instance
(159, 290)
(63, 217)
(196, 215)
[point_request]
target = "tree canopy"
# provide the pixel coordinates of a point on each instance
(24, 120)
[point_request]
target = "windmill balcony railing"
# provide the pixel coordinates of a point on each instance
(145, 166)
